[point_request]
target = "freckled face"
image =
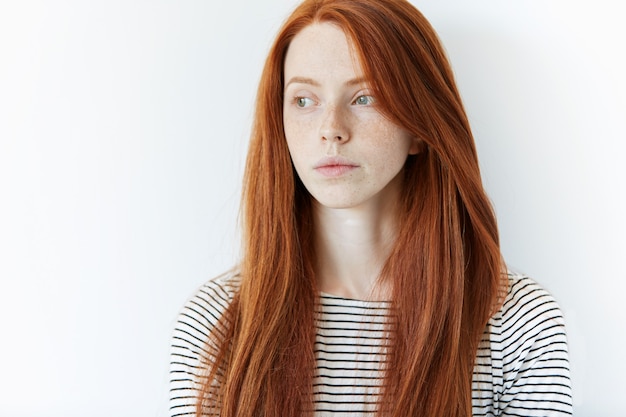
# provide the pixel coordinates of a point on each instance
(346, 153)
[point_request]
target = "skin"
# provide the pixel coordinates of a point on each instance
(348, 156)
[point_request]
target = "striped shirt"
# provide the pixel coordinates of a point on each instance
(521, 365)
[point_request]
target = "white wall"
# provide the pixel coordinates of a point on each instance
(123, 128)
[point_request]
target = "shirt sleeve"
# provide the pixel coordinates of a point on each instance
(189, 349)
(535, 364)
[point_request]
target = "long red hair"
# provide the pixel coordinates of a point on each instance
(445, 269)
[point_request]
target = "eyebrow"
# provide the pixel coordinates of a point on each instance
(311, 81)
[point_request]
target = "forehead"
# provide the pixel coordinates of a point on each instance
(321, 49)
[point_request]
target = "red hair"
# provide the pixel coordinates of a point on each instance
(445, 269)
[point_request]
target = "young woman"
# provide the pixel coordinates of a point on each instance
(371, 281)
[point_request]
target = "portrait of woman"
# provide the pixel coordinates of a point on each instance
(371, 280)
(312, 208)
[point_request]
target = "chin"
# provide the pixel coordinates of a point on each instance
(337, 202)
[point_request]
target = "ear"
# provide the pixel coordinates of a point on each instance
(417, 146)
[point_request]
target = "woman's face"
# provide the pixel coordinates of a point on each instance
(346, 153)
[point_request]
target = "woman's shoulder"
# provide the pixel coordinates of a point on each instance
(529, 316)
(204, 308)
(190, 339)
(527, 303)
(210, 301)
(220, 289)
(529, 355)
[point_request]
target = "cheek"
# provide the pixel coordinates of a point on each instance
(291, 135)
(298, 134)
(291, 132)
(388, 162)
(390, 145)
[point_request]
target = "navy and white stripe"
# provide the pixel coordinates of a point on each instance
(521, 364)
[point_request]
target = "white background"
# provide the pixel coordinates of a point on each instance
(123, 129)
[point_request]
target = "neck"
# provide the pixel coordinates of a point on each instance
(352, 245)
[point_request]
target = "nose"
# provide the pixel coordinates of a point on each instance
(334, 126)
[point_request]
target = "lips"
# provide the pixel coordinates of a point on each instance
(334, 166)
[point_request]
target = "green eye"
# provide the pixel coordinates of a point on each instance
(364, 100)
(303, 101)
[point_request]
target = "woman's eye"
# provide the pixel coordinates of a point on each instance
(364, 100)
(303, 102)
